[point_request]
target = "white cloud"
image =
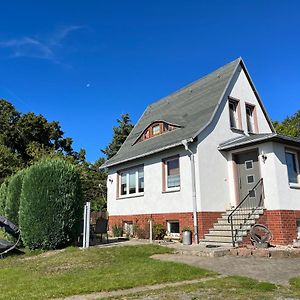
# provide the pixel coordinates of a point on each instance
(38, 47)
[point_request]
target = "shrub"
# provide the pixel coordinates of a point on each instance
(51, 205)
(159, 231)
(14, 189)
(186, 228)
(142, 232)
(117, 230)
(3, 196)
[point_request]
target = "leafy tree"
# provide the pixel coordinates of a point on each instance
(9, 162)
(120, 134)
(290, 125)
(51, 205)
(19, 132)
(94, 184)
(28, 138)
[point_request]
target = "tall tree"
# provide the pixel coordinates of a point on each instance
(9, 162)
(120, 134)
(21, 132)
(94, 184)
(289, 126)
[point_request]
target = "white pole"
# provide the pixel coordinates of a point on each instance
(84, 227)
(88, 221)
(151, 233)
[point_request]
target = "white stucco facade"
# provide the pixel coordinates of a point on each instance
(154, 199)
(214, 169)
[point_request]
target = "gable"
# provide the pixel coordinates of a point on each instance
(244, 91)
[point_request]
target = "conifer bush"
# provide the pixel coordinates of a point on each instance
(14, 189)
(51, 205)
(3, 196)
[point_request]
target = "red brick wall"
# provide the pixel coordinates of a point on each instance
(282, 224)
(205, 220)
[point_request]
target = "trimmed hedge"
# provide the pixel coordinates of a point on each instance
(3, 196)
(51, 205)
(14, 189)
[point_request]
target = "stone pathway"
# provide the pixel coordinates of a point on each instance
(147, 288)
(275, 270)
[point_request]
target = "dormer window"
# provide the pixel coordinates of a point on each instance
(156, 128)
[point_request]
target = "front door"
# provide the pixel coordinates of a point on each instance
(248, 174)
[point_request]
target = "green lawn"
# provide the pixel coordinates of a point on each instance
(75, 271)
(231, 287)
(38, 275)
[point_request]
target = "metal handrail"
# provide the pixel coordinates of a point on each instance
(240, 207)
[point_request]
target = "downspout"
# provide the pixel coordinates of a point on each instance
(192, 161)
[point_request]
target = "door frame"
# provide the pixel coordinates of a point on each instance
(236, 173)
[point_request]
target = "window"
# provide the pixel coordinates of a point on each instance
(156, 129)
(252, 193)
(250, 118)
(172, 173)
(298, 228)
(132, 181)
(292, 166)
(173, 228)
(250, 179)
(233, 114)
(249, 164)
(128, 228)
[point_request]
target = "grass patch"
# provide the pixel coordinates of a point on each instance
(231, 287)
(295, 282)
(74, 271)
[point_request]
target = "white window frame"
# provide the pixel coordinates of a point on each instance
(298, 228)
(235, 113)
(252, 123)
(296, 184)
(127, 171)
(158, 132)
(175, 188)
(172, 234)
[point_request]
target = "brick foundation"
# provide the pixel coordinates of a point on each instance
(282, 224)
(205, 220)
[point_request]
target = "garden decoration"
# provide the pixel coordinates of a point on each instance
(260, 236)
(11, 229)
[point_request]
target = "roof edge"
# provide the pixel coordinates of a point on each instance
(257, 95)
(220, 100)
(140, 156)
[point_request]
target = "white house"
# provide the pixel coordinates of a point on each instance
(202, 153)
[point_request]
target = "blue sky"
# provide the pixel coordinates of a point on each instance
(84, 63)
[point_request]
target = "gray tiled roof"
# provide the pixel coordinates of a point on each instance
(245, 141)
(191, 107)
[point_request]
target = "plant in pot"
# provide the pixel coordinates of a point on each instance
(186, 236)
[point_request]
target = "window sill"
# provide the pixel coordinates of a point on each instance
(130, 196)
(295, 185)
(171, 191)
(237, 130)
